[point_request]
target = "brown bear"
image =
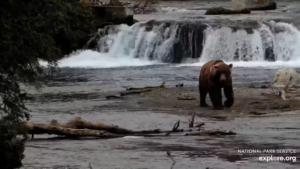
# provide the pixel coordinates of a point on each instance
(214, 76)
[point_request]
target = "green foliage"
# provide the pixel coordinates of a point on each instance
(30, 31)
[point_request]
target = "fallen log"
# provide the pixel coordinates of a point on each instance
(67, 132)
(223, 11)
(78, 127)
(158, 131)
(135, 92)
(78, 123)
(211, 133)
(147, 87)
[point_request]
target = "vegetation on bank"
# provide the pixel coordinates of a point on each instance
(139, 6)
(33, 30)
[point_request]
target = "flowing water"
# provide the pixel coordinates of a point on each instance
(171, 46)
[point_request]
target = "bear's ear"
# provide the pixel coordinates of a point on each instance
(216, 67)
(230, 65)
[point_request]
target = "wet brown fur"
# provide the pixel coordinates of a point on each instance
(214, 76)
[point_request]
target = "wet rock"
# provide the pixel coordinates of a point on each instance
(179, 85)
(113, 97)
(223, 11)
(256, 113)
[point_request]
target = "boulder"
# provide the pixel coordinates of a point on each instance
(271, 6)
(223, 11)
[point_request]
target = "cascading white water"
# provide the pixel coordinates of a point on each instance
(135, 46)
(136, 42)
(287, 41)
(223, 43)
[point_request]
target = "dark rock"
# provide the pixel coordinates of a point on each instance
(271, 6)
(223, 11)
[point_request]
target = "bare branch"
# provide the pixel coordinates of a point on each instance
(200, 125)
(175, 128)
(191, 124)
(176, 125)
(90, 166)
(170, 156)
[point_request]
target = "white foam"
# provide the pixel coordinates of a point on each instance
(135, 46)
(132, 137)
(93, 59)
(174, 9)
(264, 64)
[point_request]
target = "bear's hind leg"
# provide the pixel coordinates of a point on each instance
(202, 93)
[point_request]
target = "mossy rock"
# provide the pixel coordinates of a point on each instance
(223, 11)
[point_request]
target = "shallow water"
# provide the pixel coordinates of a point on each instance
(87, 99)
(287, 11)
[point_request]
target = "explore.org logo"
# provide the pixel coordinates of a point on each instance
(277, 158)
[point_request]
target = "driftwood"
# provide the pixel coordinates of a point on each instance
(135, 92)
(223, 11)
(185, 98)
(175, 128)
(77, 128)
(76, 123)
(147, 87)
(68, 132)
(211, 133)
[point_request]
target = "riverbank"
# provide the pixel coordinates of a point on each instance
(249, 101)
(160, 108)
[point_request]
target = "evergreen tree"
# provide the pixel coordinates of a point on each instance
(30, 31)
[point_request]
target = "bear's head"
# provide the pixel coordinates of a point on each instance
(223, 72)
(224, 79)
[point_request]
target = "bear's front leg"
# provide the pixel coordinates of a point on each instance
(216, 97)
(228, 92)
(202, 92)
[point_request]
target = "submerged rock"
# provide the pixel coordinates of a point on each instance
(223, 11)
